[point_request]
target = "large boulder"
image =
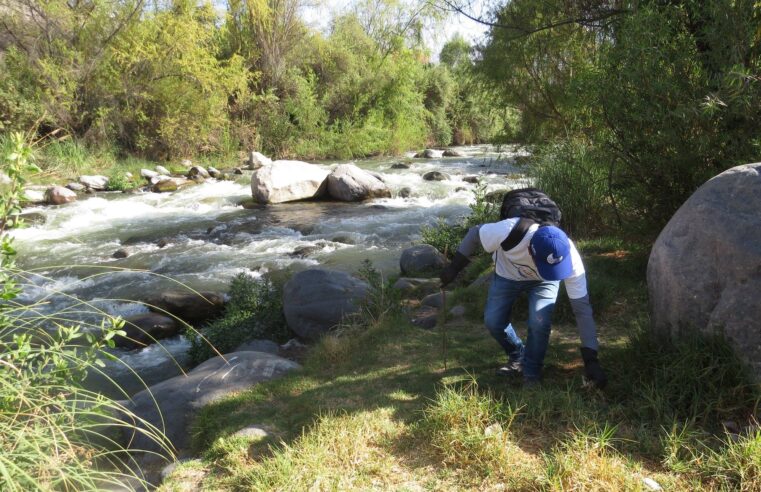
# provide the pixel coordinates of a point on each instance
(421, 260)
(189, 306)
(97, 183)
(349, 183)
(170, 405)
(316, 300)
(58, 195)
(287, 181)
(144, 329)
(704, 273)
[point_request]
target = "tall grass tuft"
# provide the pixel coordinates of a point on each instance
(56, 435)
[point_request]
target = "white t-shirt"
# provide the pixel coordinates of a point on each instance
(517, 263)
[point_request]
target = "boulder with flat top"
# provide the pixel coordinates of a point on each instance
(288, 181)
(421, 260)
(704, 272)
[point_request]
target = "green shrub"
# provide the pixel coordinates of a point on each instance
(255, 310)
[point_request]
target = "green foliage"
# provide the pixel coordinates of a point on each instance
(254, 311)
(446, 237)
(382, 299)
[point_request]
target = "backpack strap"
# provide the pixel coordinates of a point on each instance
(517, 233)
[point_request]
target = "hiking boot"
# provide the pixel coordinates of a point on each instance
(512, 368)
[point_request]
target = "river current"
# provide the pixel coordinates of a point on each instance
(202, 237)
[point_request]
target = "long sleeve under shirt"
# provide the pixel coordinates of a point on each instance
(517, 264)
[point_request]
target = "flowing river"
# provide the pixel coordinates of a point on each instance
(207, 237)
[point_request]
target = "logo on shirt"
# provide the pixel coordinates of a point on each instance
(552, 260)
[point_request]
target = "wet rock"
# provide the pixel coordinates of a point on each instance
(161, 170)
(304, 251)
(162, 243)
(214, 172)
(471, 179)
(257, 160)
(198, 171)
(165, 186)
(188, 306)
(405, 192)
(377, 176)
(459, 189)
(120, 253)
(316, 300)
(421, 260)
(452, 153)
(706, 265)
(349, 183)
(401, 165)
(177, 399)
(435, 176)
(198, 179)
(76, 186)
(144, 329)
(97, 183)
(287, 181)
(58, 195)
(237, 170)
(417, 287)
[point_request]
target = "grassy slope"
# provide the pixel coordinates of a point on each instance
(375, 409)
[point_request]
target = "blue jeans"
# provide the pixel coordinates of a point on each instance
(541, 302)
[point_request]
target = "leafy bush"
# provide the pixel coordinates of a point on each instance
(255, 310)
(56, 435)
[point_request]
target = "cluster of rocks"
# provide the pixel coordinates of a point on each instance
(286, 181)
(437, 154)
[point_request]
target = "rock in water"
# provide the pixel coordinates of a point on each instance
(453, 153)
(164, 186)
(705, 267)
(401, 165)
(177, 399)
(287, 181)
(405, 192)
(316, 300)
(58, 195)
(33, 195)
(145, 329)
(76, 186)
(214, 172)
(188, 306)
(421, 260)
(429, 154)
(198, 171)
(435, 176)
(349, 183)
(97, 183)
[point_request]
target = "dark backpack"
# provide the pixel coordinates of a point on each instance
(533, 206)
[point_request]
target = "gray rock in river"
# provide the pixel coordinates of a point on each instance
(58, 195)
(471, 179)
(120, 253)
(435, 176)
(73, 186)
(405, 192)
(704, 272)
(349, 183)
(452, 153)
(214, 172)
(161, 170)
(317, 300)
(189, 306)
(401, 165)
(429, 154)
(421, 260)
(198, 171)
(97, 182)
(257, 160)
(177, 399)
(144, 329)
(287, 181)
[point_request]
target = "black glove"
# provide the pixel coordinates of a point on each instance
(592, 369)
(449, 273)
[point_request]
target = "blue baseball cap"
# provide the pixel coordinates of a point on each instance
(551, 251)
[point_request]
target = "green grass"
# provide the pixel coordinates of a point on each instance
(374, 408)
